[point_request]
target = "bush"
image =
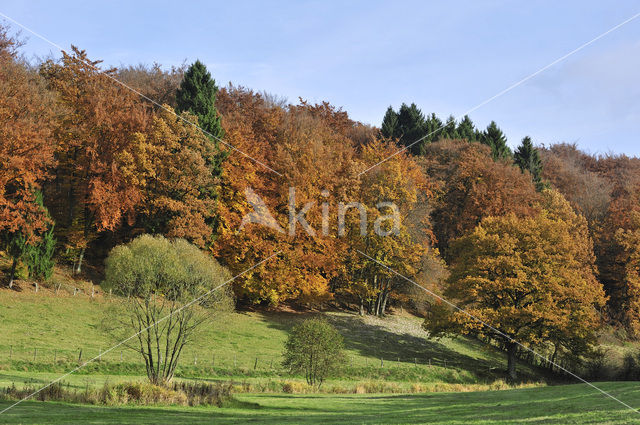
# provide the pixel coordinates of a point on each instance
(314, 348)
(161, 279)
(631, 367)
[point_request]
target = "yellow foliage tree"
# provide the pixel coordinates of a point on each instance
(532, 279)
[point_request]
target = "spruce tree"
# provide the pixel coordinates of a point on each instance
(411, 125)
(389, 128)
(528, 158)
(197, 95)
(495, 138)
(449, 131)
(466, 129)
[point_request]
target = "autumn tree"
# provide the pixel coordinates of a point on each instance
(627, 295)
(317, 159)
(26, 152)
(95, 187)
(391, 196)
(572, 173)
(532, 279)
(153, 81)
(315, 165)
(470, 186)
(616, 260)
(178, 187)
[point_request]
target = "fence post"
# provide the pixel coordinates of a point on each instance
(429, 362)
(213, 360)
(80, 356)
(195, 359)
(35, 354)
(381, 361)
(415, 361)
(10, 352)
(235, 363)
(120, 356)
(445, 363)
(55, 355)
(255, 365)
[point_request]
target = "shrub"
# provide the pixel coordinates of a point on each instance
(161, 279)
(314, 348)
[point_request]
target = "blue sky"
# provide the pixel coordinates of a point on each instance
(364, 56)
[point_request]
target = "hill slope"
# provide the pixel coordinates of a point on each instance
(39, 328)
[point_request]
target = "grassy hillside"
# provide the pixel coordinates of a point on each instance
(574, 404)
(40, 327)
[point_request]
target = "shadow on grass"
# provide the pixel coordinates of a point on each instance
(376, 342)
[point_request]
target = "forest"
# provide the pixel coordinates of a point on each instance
(542, 242)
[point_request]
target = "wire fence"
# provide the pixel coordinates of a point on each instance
(221, 360)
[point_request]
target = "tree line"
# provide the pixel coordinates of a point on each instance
(541, 242)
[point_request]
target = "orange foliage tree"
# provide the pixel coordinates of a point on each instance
(91, 192)
(314, 150)
(471, 186)
(26, 152)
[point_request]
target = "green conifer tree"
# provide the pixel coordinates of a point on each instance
(449, 131)
(197, 95)
(528, 158)
(466, 129)
(389, 128)
(411, 125)
(495, 138)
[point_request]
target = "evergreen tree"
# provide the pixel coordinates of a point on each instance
(527, 158)
(197, 95)
(411, 125)
(495, 138)
(389, 128)
(466, 129)
(449, 131)
(39, 256)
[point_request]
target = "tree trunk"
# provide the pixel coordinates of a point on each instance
(553, 357)
(385, 298)
(79, 268)
(12, 272)
(512, 348)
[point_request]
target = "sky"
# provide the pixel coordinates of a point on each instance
(364, 56)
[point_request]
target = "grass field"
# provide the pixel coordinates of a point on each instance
(571, 404)
(40, 327)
